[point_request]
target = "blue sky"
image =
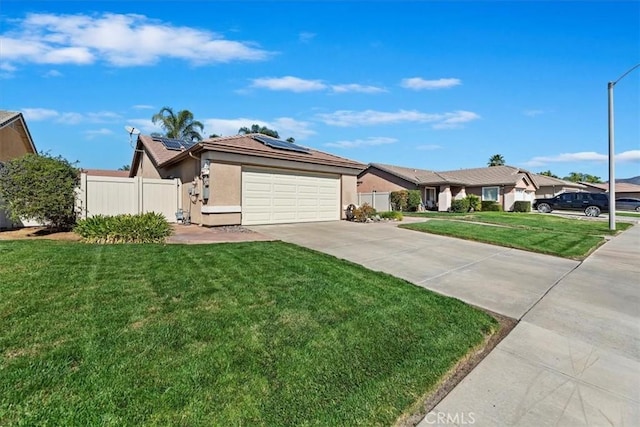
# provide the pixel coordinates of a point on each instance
(433, 85)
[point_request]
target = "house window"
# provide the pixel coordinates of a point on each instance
(490, 193)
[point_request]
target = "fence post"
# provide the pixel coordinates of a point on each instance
(84, 209)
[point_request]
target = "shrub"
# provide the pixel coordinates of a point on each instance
(460, 205)
(363, 212)
(40, 187)
(150, 227)
(399, 200)
(474, 202)
(413, 200)
(393, 215)
(488, 205)
(522, 206)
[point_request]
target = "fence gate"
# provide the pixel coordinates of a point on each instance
(379, 201)
(103, 195)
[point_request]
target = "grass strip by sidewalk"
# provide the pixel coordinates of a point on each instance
(263, 333)
(568, 245)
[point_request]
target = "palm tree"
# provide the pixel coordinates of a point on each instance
(255, 128)
(179, 126)
(496, 160)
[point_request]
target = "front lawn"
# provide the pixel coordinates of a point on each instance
(569, 238)
(230, 334)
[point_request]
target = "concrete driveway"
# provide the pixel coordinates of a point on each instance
(574, 357)
(506, 281)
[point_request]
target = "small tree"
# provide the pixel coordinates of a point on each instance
(413, 200)
(40, 187)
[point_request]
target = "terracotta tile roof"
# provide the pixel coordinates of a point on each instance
(7, 116)
(416, 176)
(106, 172)
(621, 187)
(240, 144)
(495, 175)
(545, 181)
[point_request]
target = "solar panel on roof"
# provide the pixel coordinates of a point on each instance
(174, 144)
(279, 144)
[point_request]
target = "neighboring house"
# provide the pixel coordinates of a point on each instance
(250, 179)
(15, 141)
(502, 184)
(106, 172)
(549, 186)
(623, 189)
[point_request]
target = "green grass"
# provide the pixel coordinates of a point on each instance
(547, 234)
(230, 334)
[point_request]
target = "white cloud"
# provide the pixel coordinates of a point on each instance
(346, 118)
(90, 134)
(418, 83)
(306, 37)
(52, 73)
(631, 156)
(285, 126)
(121, 40)
(289, 83)
(143, 107)
(354, 87)
(37, 114)
(357, 143)
(428, 147)
(145, 126)
(70, 118)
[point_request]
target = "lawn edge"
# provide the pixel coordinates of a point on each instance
(458, 372)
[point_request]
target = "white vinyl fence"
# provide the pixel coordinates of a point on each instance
(103, 195)
(379, 201)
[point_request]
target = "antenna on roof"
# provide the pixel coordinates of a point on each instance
(132, 131)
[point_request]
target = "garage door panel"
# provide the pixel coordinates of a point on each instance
(270, 197)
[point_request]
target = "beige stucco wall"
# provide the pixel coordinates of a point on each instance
(13, 143)
(146, 168)
(188, 171)
(381, 181)
(225, 184)
(349, 192)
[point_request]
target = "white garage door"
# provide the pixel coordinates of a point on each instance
(276, 197)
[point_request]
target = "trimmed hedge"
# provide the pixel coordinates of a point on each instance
(413, 200)
(522, 206)
(488, 205)
(460, 205)
(394, 215)
(150, 227)
(399, 200)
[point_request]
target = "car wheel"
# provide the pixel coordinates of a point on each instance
(592, 211)
(544, 208)
(637, 208)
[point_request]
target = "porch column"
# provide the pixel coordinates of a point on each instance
(444, 198)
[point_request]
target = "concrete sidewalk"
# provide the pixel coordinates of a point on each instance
(573, 360)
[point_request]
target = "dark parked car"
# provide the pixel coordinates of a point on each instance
(590, 203)
(628, 204)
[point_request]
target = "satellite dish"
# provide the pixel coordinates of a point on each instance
(132, 130)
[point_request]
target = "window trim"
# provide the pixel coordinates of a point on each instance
(497, 193)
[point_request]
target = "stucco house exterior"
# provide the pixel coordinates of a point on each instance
(250, 179)
(623, 189)
(502, 184)
(15, 141)
(549, 186)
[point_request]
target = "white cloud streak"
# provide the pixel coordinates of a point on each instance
(90, 134)
(357, 143)
(631, 156)
(418, 83)
(428, 147)
(354, 87)
(120, 40)
(289, 83)
(347, 118)
(70, 118)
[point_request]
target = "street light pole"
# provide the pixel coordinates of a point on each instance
(612, 161)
